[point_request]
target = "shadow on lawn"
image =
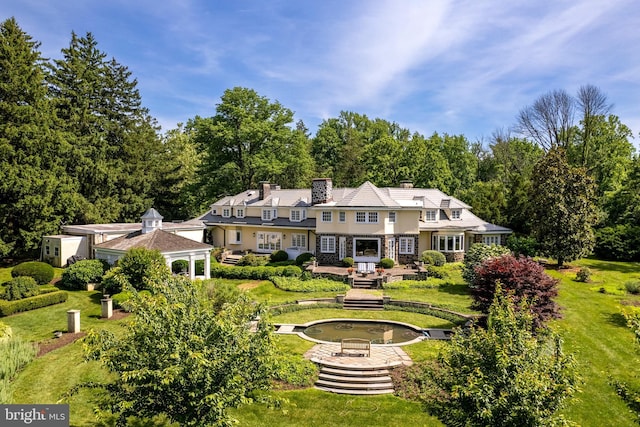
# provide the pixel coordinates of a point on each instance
(455, 289)
(621, 267)
(617, 319)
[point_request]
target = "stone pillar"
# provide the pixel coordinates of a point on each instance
(73, 321)
(107, 307)
(192, 266)
(207, 265)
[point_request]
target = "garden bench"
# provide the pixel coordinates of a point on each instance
(360, 345)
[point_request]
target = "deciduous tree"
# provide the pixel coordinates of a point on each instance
(181, 359)
(502, 376)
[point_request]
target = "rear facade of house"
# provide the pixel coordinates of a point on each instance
(366, 223)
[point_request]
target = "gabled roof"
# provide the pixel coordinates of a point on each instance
(156, 240)
(365, 196)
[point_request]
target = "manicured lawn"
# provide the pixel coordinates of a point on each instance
(592, 329)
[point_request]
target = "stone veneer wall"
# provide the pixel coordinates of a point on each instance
(454, 256)
(407, 258)
(321, 191)
(331, 259)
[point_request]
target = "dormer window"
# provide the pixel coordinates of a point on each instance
(269, 214)
(239, 212)
(297, 215)
(431, 215)
(455, 214)
(226, 212)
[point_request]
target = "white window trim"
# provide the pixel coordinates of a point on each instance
(226, 212)
(456, 214)
(367, 215)
(491, 239)
(435, 215)
(267, 239)
(328, 244)
(301, 214)
(239, 212)
(330, 215)
(342, 216)
(269, 214)
(299, 240)
(406, 246)
(393, 217)
(435, 242)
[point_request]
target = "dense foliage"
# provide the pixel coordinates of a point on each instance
(138, 265)
(502, 376)
(20, 287)
(83, 272)
(262, 273)
(279, 256)
(41, 272)
(387, 263)
(563, 208)
(434, 258)
(476, 255)
(524, 278)
(180, 358)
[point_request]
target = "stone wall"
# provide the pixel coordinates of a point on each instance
(321, 191)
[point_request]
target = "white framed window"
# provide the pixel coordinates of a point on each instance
(235, 237)
(342, 216)
(431, 215)
(328, 244)
(407, 245)
(269, 214)
(491, 239)
(455, 214)
(327, 216)
(269, 242)
(226, 212)
(299, 241)
(392, 217)
(448, 243)
(239, 212)
(297, 215)
(367, 217)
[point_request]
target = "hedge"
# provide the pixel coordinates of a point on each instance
(255, 273)
(81, 273)
(294, 284)
(40, 271)
(10, 307)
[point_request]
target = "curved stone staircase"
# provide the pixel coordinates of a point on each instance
(360, 380)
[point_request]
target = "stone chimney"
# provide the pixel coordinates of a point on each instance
(406, 184)
(264, 189)
(321, 191)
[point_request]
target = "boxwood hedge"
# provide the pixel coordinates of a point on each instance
(31, 303)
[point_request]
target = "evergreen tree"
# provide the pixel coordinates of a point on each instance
(35, 194)
(114, 141)
(563, 208)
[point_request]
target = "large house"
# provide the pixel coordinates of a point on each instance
(365, 223)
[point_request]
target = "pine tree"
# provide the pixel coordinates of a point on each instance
(35, 194)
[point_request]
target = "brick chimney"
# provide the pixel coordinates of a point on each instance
(321, 191)
(406, 184)
(264, 189)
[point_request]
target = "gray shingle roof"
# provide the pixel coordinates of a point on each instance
(158, 239)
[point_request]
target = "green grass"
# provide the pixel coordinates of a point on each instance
(317, 408)
(417, 319)
(592, 328)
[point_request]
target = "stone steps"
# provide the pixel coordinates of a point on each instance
(231, 259)
(354, 380)
(363, 304)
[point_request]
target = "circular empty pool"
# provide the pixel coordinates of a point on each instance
(378, 332)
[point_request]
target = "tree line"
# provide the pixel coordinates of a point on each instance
(78, 146)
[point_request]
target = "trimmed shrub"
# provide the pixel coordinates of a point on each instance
(476, 255)
(40, 271)
(180, 266)
(10, 307)
(79, 274)
(347, 261)
(139, 264)
(114, 281)
(20, 287)
(525, 246)
(304, 257)
(294, 284)
(583, 275)
(632, 286)
(522, 276)
(279, 256)
(437, 272)
(433, 258)
(252, 260)
(254, 273)
(387, 263)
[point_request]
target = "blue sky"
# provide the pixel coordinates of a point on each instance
(457, 67)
